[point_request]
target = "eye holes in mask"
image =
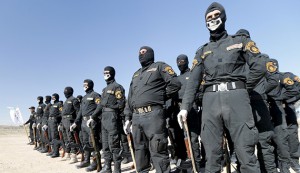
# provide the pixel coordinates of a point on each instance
(213, 15)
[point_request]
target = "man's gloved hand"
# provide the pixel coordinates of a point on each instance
(127, 127)
(33, 125)
(38, 125)
(72, 127)
(45, 127)
(59, 128)
(181, 117)
(90, 122)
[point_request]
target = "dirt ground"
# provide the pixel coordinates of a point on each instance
(18, 157)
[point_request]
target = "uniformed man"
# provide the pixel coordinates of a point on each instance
(44, 125)
(39, 115)
(87, 109)
(69, 112)
(151, 85)
(31, 121)
(193, 120)
(291, 90)
(226, 99)
(53, 122)
(262, 117)
(275, 98)
(111, 105)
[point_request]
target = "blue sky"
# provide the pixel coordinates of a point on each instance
(50, 44)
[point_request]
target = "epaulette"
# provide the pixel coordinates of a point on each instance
(136, 73)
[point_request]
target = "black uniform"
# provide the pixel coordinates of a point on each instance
(69, 111)
(53, 122)
(193, 118)
(87, 108)
(291, 90)
(31, 120)
(149, 89)
(262, 118)
(112, 105)
(44, 121)
(226, 100)
(39, 115)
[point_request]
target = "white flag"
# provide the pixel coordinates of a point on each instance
(15, 115)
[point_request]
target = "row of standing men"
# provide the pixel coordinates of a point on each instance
(231, 89)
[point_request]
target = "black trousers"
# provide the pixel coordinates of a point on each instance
(280, 131)
(150, 140)
(265, 149)
(231, 109)
(110, 136)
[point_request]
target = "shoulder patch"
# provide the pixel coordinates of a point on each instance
(252, 47)
(97, 101)
(119, 94)
(195, 62)
(60, 109)
(288, 81)
(169, 70)
(271, 67)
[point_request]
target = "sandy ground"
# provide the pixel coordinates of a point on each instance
(17, 157)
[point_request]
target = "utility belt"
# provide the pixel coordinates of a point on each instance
(85, 118)
(226, 86)
(108, 110)
(67, 116)
(147, 109)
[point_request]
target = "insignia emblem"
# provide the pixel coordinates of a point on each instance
(60, 109)
(97, 100)
(152, 69)
(135, 75)
(118, 94)
(296, 78)
(205, 54)
(202, 82)
(90, 98)
(195, 62)
(252, 47)
(169, 70)
(288, 81)
(271, 67)
(110, 91)
(235, 46)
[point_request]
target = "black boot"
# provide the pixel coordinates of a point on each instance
(295, 164)
(92, 167)
(106, 168)
(86, 161)
(55, 152)
(117, 166)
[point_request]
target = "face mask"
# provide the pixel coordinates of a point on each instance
(106, 76)
(214, 24)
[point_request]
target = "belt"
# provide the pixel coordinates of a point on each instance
(146, 109)
(67, 116)
(85, 118)
(51, 118)
(108, 110)
(226, 86)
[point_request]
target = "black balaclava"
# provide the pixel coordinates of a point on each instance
(147, 58)
(272, 65)
(40, 99)
(55, 97)
(68, 92)
(110, 75)
(182, 63)
(243, 32)
(90, 85)
(219, 31)
(47, 99)
(79, 98)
